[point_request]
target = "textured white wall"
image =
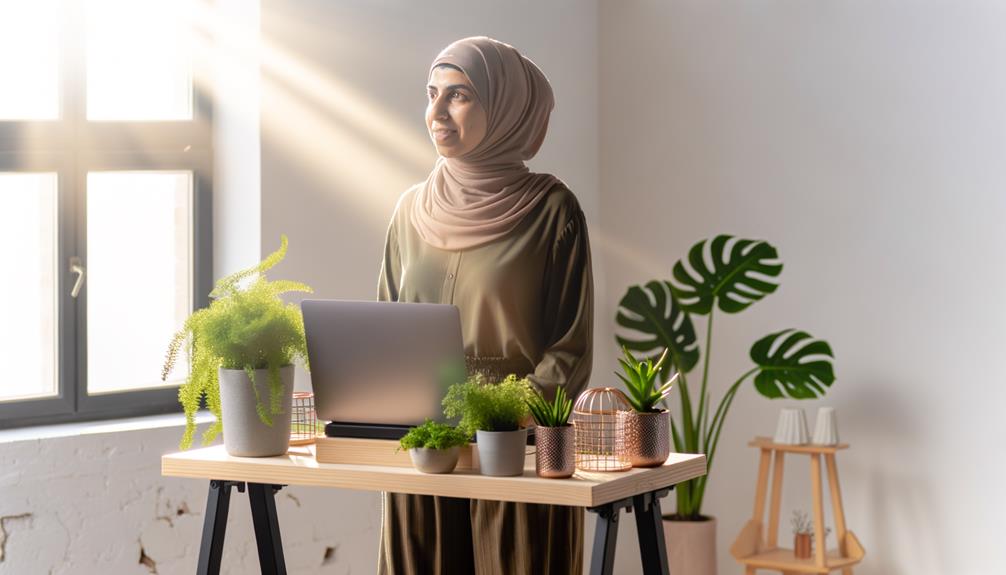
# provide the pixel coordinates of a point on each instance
(867, 141)
(97, 504)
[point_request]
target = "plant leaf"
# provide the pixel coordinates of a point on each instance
(730, 283)
(651, 311)
(799, 368)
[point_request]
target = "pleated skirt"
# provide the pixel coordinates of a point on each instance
(426, 535)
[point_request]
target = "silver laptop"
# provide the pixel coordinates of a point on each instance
(380, 367)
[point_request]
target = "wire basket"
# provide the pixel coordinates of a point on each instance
(303, 420)
(600, 439)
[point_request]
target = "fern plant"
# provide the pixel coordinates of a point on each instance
(247, 326)
(726, 274)
(554, 414)
(640, 379)
(487, 406)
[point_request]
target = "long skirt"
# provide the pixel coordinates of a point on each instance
(425, 535)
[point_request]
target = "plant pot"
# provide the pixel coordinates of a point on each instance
(691, 546)
(802, 545)
(435, 460)
(647, 437)
(554, 454)
(244, 433)
(501, 453)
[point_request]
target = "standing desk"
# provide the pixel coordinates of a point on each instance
(605, 494)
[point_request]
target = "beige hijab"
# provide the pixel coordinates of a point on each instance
(477, 198)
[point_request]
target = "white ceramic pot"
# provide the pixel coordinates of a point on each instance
(501, 453)
(435, 460)
(792, 427)
(691, 546)
(244, 433)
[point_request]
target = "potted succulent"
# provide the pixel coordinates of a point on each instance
(803, 535)
(495, 413)
(726, 274)
(434, 447)
(554, 438)
(240, 351)
(646, 428)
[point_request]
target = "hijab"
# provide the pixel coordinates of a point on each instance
(481, 196)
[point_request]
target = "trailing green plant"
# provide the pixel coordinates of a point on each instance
(554, 414)
(486, 406)
(247, 326)
(640, 379)
(433, 435)
(728, 274)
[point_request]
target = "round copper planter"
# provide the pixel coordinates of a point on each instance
(647, 437)
(554, 451)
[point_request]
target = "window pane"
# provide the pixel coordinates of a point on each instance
(29, 60)
(139, 269)
(28, 299)
(139, 64)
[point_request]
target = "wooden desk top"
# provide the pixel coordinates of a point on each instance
(299, 467)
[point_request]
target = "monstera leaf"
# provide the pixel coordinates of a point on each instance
(733, 282)
(798, 372)
(653, 313)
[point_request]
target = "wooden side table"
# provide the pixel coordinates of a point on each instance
(757, 548)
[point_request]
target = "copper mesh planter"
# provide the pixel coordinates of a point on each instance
(600, 443)
(647, 437)
(554, 455)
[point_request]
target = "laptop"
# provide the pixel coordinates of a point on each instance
(378, 368)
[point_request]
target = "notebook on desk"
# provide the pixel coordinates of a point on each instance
(378, 368)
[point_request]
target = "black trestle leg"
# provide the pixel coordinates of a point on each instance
(215, 526)
(602, 557)
(649, 525)
(270, 546)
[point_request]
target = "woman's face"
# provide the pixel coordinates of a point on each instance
(456, 120)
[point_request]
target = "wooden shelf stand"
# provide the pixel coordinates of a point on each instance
(757, 548)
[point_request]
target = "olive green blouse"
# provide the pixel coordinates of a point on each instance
(526, 299)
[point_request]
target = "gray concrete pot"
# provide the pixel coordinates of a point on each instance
(244, 433)
(501, 453)
(435, 460)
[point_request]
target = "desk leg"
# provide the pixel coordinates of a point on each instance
(649, 525)
(215, 526)
(602, 558)
(270, 545)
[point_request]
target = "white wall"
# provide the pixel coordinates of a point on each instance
(867, 141)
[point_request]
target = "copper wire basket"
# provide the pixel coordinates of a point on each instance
(303, 420)
(600, 439)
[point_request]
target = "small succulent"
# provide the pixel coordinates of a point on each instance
(555, 414)
(640, 378)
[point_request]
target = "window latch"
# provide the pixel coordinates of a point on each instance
(77, 268)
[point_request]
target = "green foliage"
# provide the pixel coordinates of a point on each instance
(788, 363)
(433, 435)
(555, 414)
(488, 406)
(640, 379)
(245, 327)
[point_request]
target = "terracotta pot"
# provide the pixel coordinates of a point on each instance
(801, 545)
(647, 437)
(691, 546)
(554, 456)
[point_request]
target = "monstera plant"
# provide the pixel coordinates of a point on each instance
(726, 275)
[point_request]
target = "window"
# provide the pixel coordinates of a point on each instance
(105, 181)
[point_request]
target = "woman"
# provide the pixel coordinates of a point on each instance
(509, 248)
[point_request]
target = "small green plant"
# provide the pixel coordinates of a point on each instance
(433, 435)
(486, 406)
(555, 414)
(640, 378)
(245, 327)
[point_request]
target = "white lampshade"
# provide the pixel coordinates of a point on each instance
(792, 427)
(826, 427)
